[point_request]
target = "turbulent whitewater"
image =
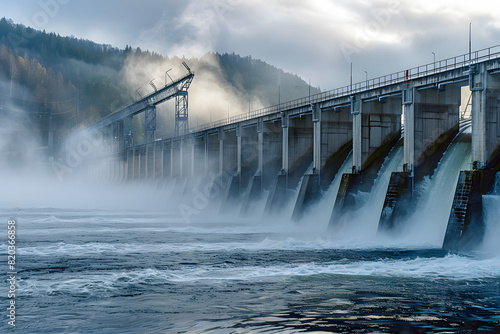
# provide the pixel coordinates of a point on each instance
(128, 272)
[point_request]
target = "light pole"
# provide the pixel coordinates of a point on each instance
(434, 55)
(366, 75)
(351, 77)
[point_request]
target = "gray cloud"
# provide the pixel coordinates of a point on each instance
(303, 37)
(308, 38)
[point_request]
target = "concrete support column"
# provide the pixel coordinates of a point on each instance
(162, 160)
(140, 169)
(238, 150)
(221, 152)
(356, 106)
(172, 159)
(127, 159)
(193, 153)
(409, 129)
(146, 162)
(127, 132)
(154, 160)
(284, 160)
(478, 87)
(181, 159)
(260, 148)
(316, 119)
(133, 163)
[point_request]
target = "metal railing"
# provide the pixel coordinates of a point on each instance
(389, 79)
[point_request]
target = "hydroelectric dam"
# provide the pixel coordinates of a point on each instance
(343, 136)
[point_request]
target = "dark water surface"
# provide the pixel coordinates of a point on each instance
(122, 272)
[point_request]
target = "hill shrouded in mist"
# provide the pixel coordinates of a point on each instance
(70, 81)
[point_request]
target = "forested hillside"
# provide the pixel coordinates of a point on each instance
(73, 82)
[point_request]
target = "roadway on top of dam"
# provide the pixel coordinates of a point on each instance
(434, 75)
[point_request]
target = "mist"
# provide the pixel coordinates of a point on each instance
(211, 96)
(32, 176)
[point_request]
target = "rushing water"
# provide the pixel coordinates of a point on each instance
(130, 272)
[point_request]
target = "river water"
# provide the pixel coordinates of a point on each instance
(109, 271)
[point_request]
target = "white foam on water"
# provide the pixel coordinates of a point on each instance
(454, 267)
(491, 212)
(301, 241)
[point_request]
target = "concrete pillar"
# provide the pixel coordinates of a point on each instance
(146, 162)
(130, 164)
(127, 132)
(260, 147)
(221, 152)
(238, 151)
(162, 160)
(193, 155)
(316, 119)
(284, 159)
(409, 128)
(172, 159)
(159, 160)
(356, 106)
(123, 169)
(126, 176)
(485, 89)
(140, 163)
(133, 163)
(181, 159)
(154, 161)
(478, 86)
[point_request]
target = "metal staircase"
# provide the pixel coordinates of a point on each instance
(459, 208)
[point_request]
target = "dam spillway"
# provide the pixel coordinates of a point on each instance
(298, 147)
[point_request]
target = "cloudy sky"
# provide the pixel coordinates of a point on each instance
(316, 39)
